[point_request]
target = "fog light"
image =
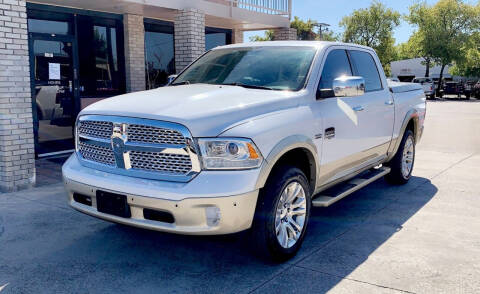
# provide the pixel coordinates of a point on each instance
(213, 215)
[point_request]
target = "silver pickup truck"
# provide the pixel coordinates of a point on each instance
(248, 137)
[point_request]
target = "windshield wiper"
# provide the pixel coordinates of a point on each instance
(248, 86)
(180, 83)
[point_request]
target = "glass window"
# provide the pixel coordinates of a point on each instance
(159, 58)
(364, 66)
(48, 26)
(277, 68)
(215, 40)
(336, 65)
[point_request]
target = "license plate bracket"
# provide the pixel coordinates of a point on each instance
(112, 203)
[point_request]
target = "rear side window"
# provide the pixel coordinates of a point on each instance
(336, 65)
(364, 65)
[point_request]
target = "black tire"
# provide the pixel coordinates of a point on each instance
(264, 237)
(396, 175)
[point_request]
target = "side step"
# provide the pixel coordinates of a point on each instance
(342, 190)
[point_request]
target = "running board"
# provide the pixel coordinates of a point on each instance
(342, 190)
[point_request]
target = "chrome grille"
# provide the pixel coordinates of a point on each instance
(96, 129)
(150, 134)
(137, 147)
(96, 153)
(160, 162)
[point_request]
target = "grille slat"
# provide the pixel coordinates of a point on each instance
(155, 134)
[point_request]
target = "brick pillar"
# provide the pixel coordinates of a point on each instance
(134, 33)
(17, 151)
(189, 37)
(237, 36)
(283, 34)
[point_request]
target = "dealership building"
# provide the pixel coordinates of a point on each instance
(59, 56)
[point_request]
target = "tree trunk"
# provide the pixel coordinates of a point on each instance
(427, 70)
(440, 79)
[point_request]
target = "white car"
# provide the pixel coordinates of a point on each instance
(427, 85)
(249, 136)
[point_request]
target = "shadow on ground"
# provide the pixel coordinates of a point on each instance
(52, 250)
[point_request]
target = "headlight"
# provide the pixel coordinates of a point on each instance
(229, 153)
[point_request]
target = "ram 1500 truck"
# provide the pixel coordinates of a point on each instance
(249, 136)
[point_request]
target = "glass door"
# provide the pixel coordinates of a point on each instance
(55, 91)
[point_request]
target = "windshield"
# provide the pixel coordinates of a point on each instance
(275, 68)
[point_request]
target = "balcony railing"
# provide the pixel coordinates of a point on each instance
(274, 7)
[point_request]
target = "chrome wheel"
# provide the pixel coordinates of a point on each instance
(290, 215)
(408, 156)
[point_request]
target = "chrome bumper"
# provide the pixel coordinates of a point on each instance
(194, 214)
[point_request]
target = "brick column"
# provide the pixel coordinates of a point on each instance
(17, 151)
(134, 33)
(189, 37)
(283, 34)
(237, 36)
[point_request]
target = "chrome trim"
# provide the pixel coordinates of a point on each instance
(189, 148)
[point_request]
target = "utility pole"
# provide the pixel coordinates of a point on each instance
(320, 26)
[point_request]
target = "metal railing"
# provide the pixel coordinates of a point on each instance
(274, 7)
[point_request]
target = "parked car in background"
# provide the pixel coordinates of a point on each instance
(468, 89)
(453, 88)
(249, 136)
(427, 85)
(476, 90)
(438, 90)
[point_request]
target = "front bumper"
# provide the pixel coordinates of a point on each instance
(194, 213)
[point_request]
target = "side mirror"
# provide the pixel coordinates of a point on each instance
(349, 86)
(171, 78)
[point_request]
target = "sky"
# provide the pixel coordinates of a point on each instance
(332, 11)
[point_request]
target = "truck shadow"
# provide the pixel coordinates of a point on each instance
(339, 239)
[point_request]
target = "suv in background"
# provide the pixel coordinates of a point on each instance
(476, 90)
(468, 89)
(427, 85)
(453, 88)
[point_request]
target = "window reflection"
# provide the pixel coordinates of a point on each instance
(48, 26)
(159, 54)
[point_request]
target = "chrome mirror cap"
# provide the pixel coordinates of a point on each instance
(346, 86)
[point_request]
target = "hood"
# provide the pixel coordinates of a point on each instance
(206, 110)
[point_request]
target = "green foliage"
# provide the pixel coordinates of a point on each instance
(469, 63)
(445, 29)
(373, 27)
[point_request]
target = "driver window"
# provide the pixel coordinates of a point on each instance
(336, 65)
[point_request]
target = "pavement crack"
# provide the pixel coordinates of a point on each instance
(354, 280)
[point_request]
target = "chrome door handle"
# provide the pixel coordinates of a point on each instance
(389, 102)
(358, 108)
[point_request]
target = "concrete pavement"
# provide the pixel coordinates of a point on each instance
(423, 237)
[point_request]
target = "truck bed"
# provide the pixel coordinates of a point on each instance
(398, 87)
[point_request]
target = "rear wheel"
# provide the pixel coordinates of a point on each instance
(282, 214)
(402, 163)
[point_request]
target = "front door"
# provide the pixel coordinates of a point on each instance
(54, 92)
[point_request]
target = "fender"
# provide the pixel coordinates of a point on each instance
(282, 147)
(395, 143)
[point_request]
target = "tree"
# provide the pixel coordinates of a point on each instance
(268, 36)
(373, 27)
(417, 47)
(469, 64)
(445, 27)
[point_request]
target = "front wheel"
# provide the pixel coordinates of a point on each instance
(282, 214)
(401, 164)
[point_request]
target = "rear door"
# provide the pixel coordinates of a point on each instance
(377, 116)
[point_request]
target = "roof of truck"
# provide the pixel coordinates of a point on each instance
(317, 44)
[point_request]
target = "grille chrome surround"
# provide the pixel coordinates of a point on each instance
(146, 148)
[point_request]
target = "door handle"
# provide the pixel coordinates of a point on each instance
(329, 133)
(358, 108)
(389, 102)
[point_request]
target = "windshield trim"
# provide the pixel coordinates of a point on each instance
(307, 78)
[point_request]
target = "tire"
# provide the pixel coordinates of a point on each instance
(399, 174)
(265, 242)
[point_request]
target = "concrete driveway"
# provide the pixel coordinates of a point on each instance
(423, 237)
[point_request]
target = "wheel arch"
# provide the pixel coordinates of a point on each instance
(297, 150)
(410, 122)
